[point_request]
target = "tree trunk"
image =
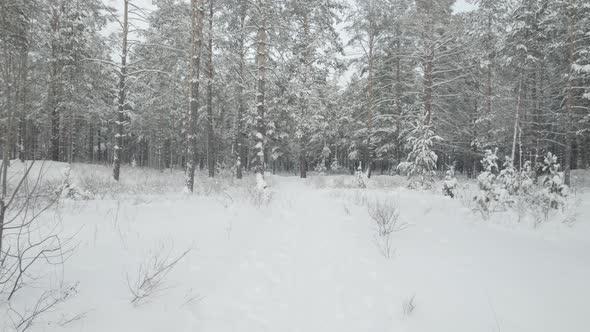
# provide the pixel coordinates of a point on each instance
(369, 160)
(489, 68)
(306, 96)
(210, 133)
(517, 117)
(122, 94)
(54, 116)
(240, 93)
(91, 134)
(428, 86)
(52, 94)
(398, 104)
(570, 97)
(195, 54)
(261, 82)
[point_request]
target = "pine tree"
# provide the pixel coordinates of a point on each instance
(197, 13)
(489, 194)
(555, 190)
(211, 146)
(421, 161)
(259, 160)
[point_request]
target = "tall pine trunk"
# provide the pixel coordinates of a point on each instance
(52, 94)
(369, 161)
(260, 90)
(240, 93)
(570, 95)
(195, 61)
(211, 155)
(306, 101)
(122, 96)
(398, 104)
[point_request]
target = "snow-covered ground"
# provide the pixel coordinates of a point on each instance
(310, 259)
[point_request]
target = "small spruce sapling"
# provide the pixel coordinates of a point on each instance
(554, 190)
(360, 178)
(489, 191)
(450, 183)
(525, 179)
(421, 161)
(508, 177)
(321, 166)
(334, 166)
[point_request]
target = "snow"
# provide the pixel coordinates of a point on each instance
(461, 6)
(581, 68)
(307, 260)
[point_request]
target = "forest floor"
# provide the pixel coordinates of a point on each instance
(310, 259)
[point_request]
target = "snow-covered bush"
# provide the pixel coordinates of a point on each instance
(70, 190)
(490, 193)
(554, 192)
(450, 183)
(334, 166)
(360, 177)
(553, 179)
(320, 168)
(510, 188)
(259, 197)
(525, 179)
(508, 177)
(421, 161)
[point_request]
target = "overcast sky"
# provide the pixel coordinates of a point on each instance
(463, 6)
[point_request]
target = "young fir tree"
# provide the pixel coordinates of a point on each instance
(421, 161)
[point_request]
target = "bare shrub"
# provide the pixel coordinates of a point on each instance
(259, 197)
(210, 187)
(465, 195)
(408, 306)
(571, 211)
(386, 217)
(338, 182)
(23, 319)
(98, 181)
(346, 210)
(151, 275)
(70, 318)
(319, 182)
(385, 245)
(190, 298)
(359, 197)
(29, 244)
(385, 214)
(99, 186)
